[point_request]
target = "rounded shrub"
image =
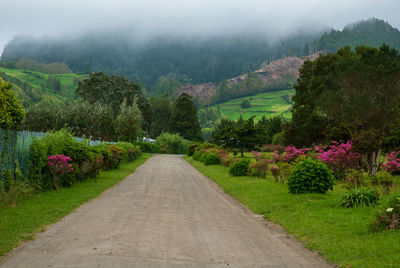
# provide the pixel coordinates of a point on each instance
(211, 159)
(197, 155)
(359, 198)
(310, 176)
(240, 168)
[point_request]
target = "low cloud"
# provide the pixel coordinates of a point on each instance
(186, 18)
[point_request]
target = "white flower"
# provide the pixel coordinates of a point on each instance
(389, 209)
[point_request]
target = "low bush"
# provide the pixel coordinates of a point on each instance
(272, 148)
(197, 155)
(290, 155)
(389, 218)
(86, 160)
(192, 147)
(240, 168)
(211, 159)
(12, 189)
(382, 182)
(354, 178)
(172, 143)
(259, 168)
(359, 198)
(133, 152)
(310, 176)
(285, 170)
(392, 164)
(228, 161)
(149, 147)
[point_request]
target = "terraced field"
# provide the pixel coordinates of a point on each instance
(269, 104)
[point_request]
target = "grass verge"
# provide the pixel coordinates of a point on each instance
(341, 235)
(32, 214)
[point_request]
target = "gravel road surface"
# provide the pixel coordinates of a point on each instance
(166, 214)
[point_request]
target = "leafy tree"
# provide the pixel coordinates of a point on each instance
(184, 119)
(53, 83)
(240, 134)
(165, 85)
(162, 111)
(269, 127)
(357, 90)
(207, 117)
(11, 111)
(129, 122)
(112, 90)
(245, 104)
(44, 116)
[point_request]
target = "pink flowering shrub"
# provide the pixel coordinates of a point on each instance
(339, 158)
(392, 164)
(59, 165)
(290, 155)
(259, 156)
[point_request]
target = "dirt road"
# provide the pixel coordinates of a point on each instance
(166, 214)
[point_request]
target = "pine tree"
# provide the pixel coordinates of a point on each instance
(184, 119)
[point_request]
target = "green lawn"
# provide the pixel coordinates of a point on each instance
(32, 214)
(269, 104)
(341, 235)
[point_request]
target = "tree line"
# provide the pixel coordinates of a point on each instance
(113, 108)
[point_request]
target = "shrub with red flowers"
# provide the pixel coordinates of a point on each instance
(339, 158)
(290, 155)
(392, 164)
(59, 165)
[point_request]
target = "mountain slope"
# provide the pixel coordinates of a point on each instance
(277, 75)
(372, 32)
(32, 86)
(194, 60)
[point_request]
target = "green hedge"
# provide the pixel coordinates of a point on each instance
(86, 160)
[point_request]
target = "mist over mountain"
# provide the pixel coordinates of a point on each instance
(190, 60)
(194, 60)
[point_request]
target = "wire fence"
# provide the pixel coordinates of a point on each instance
(14, 149)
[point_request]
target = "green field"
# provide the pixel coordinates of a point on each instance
(37, 81)
(269, 104)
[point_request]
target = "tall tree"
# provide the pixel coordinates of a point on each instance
(112, 90)
(184, 119)
(129, 122)
(162, 111)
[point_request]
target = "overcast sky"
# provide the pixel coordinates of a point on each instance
(186, 17)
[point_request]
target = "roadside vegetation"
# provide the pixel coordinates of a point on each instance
(331, 178)
(343, 236)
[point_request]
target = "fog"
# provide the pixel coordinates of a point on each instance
(186, 18)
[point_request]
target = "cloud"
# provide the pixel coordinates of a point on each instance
(271, 18)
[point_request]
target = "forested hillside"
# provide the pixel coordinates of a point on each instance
(372, 32)
(151, 61)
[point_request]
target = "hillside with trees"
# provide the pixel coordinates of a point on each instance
(185, 60)
(373, 32)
